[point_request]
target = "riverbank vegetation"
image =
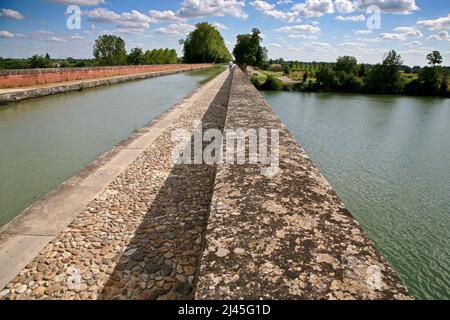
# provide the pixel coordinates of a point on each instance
(347, 75)
(108, 50)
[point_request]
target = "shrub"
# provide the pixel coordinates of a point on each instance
(254, 80)
(272, 83)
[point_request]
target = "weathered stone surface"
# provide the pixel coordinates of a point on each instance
(284, 235)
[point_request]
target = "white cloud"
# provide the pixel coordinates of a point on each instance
(412, 44)
(313, 8)
(388, 6)
(11, 14)
(103, 15)
(365, 31)
(402, 33)
(205, 8)
(80, 2)
(275, 45)
(301, 36)
(134, 20)
(6, 34)
(42, 32)
(262, 5)
(56, 39)
(344, 6)
(176, 29)
(283, 2)
(167, 15)
(355, 18)
(436, 24)
(269, 10)
(220, 26)
(409, 31)
(299, 29)
(352, 45)
(443, 35)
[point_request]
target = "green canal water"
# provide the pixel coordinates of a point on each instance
(388, 158)
(45, 141)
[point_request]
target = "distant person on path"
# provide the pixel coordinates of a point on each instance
(230, 65)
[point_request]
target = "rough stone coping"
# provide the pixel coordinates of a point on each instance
(285, 235)
(17, 94)
(25, 236)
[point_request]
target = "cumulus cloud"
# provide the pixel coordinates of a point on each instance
(436, 24)
(134, 20)
(11, 14)
(355, 18)
(388, 6)
(80, 2)
(205, 8)
(262, 5)
(412, 44)
(220, 26)
(176, 29)
(6, 34)
(344, 6)
(443, 35)
(299, 29)
(402, 33)
(313, 8)
(167, 15)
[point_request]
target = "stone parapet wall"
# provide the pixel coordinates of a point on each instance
(35, 77)
(286, 235)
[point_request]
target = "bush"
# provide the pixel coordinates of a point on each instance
(272, 83)
(254, 80)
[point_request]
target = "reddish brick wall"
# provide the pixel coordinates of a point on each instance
(33, 77)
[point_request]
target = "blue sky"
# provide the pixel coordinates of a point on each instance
(307, 30)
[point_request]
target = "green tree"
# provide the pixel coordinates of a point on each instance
(136, 57)
(434, 58)
(346, 64)
(248, 50)
(385, 77)
(325, 78)
(205, 45)
(430, 83)
(38, 61)
(109, 50)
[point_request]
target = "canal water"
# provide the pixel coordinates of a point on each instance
(45, 141)
(388, 158)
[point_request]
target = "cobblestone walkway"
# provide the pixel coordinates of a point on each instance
(142, 237)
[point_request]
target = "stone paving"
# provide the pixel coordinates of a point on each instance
(142, 237)
(284, 235)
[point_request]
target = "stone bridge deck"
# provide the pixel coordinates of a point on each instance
(164, 231)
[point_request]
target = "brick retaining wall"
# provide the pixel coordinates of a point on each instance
(34, 77)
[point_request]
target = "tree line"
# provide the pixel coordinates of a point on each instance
(108, 50)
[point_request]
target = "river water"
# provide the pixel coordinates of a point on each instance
(388, 158)
(45, 141)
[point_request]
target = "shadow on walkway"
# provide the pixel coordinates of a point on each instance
(162, 259)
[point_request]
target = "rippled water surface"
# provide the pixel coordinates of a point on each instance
(388, 158)
(45, 141)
